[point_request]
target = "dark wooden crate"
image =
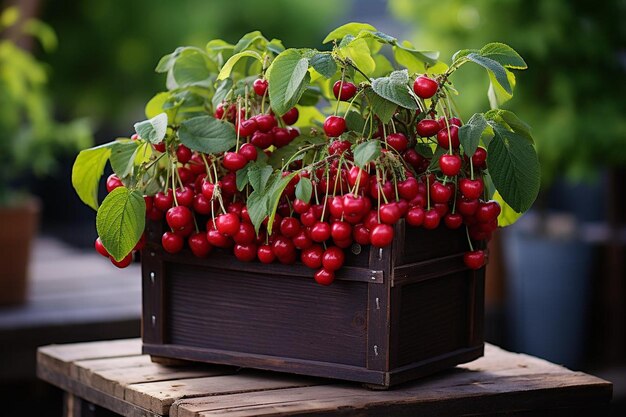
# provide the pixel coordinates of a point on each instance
(391, 315)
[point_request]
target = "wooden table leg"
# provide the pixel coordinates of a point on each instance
(74, 406)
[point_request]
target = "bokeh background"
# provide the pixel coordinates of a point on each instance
(556, 279)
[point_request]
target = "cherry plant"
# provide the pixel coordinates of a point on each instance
(298, 154)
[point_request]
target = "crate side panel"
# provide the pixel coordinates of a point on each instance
(433, 318)
(421, 244)
(263, 314)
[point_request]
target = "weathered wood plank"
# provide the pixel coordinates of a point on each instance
(159, 396)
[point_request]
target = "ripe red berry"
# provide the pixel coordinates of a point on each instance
(450, 165)
(389, 213)
(333, 258)
(474, 259)
(291, 116)
(172, 242)
(184, 196)
(444, 139)
(245, 235)
(425, 87)
(413, 158)
(262, 140)
(439, 193)
(348, 90)
(324, 277)
(471, 189)
(453, 220)
(415, 216)
(248, 151)
(312, 257)
(431, 219)
(100, 248)
(487, 211)
(227, 224)
(466, 206)
(479, 158)
(289, 227)
(397, 141)
(265, 122)
(381, 235)
(320, 232)
(408, 188)
(247, 127)
(334, 126)
(340, 231)
(113, 182)
(283, 247)
(427, 127)
(183, 154)
(265, 254)
(199, 244)
(259, 86)
(178, 217)
(124, 262)
(245, 253)
(234, 161)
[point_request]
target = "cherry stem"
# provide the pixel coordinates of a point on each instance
(469, 241)
(351, 102)
(456, 181)
(343, 74)
(174, 184)
(427, 191)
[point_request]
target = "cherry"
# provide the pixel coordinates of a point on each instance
(215, 238)
(124, 262)
(245, 235)
(427, 127)
(281, 137)
(265, 122)
(453, 220)
(415, 216)
(353, 205)
(333, 258)
(487, 211)
(283, 247)
(100, 248)
(262, 140)
(183, 154)
(439, 193)
(348, 90)
(265, 254)
(229, 183)
(248, 151)
(178, 217)
(184, 196)
(340, 231)
(361, 234)
(113, 182)
(441, 208)
(312, 257)
(141, 243)
(196, 165)
(320, 232)
(338, 147)
(234, 161)
(452, 121)
(474, 259)
(300, 206)
(324, 277)
(450, 164)
(260, 86)
(479, 158)
(172, 242)
(302, 240)
(227, 224)
(389, 213)
(431, 219)
(334, 126)
(235, 207)
(159, 147)
(425, 87)
(199, 244)
(359, 175)
(245, 253)
(246, 127)
(336, 206)
(381, 235)
(219, 111)
(207, 189)
(186, 176)
(291, 116)
(397, 141)
(289, 227)
(444, 139)
(471, 189)
(413, 158)
(466, 206)
(408, 188)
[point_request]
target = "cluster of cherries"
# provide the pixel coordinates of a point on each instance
(349, 204)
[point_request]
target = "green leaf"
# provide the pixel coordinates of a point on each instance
(511, 120)
(120, 221)
(470, 133)
(354, 121)
(193, 68)
(221, 92)
(348, 29)
(427, 57)
(207, 134)
(378, 36)
(381, 107)
(230, 64)
(366, 152)
(281, 155)
(359, 52)
(507, 216)
(324, 64)
(495, 68)
(241, 178)
(250, 39)
(503, 54)
(275, 46)
(86, 173)
(257, 209)
(288, 77)
(258, 176)
(153, 130)
(496, 93)
(123, 157)
(514, 168)
(304, 189)
(156, 103)
(276, 190)
(395, 89)
(167, 62)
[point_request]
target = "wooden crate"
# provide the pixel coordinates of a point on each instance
(392, 314)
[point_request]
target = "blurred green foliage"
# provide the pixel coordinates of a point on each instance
(573, 92)
(31, 139)
(104, 67)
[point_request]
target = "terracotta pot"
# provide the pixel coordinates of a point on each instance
(18, 225)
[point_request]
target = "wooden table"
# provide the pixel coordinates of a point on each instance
(114, 375)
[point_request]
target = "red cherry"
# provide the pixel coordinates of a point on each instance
(389, 213)
(427, 128)
(471, 189)
(248, 151)
(324, 277)
(353, 205)
(172, 242)
(289, 227)
(186, 176)
(178, 217)
(441, 208)
(291, 116)
(381, 235)
(425, 87)
(333, 258)
(245, 253)
(487, 211)
(124, 262)
(265, 122)
(247, 127)
(260, 86)
(320, 232)
(113, 182)
(283, 247)
(312, 257)
(361, 234)
(467, 207)
(338, 147)
(215, 238)
(199, 245)
(227, 224)
(413, 158)
(348, 90)
(431, 219)
(479, 158)
(302, 240)
(265, 254)
(474, 259)
(184, 197)
(359, 175)
(100, 248)
(229, 183)
(415, 216)
(439, 193)
(341, 231)
(234, 161)
(245, 235)
(453, 220)
(159, 147)
(444, 140)
(408, 188)
(282, 137)
(334, 126)
(300, 206)
(450, 164)
(262, 140)
(183, 154)
(397, 141)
